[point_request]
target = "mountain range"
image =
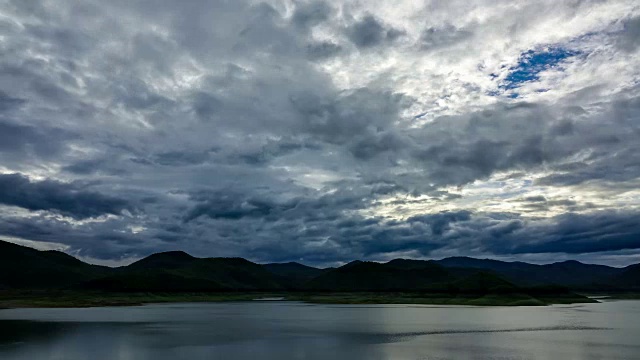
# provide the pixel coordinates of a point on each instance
(26, 268)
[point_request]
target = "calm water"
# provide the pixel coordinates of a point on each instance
(289, 330)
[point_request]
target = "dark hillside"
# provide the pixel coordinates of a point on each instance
(567, 273)
(293, 273)
(180, 272)
(398, 275)
(25, 268)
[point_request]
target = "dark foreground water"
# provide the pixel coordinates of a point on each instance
(289, 330)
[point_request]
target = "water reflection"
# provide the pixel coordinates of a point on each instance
(300, 331)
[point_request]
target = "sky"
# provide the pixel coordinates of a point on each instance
(322, 131)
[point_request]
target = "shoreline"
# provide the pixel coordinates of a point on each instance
(70, 299)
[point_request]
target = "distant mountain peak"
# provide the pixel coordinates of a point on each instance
(167, 259)
(402, 260)
(175, 253)
(634, 266)
(569, 262)
(413, 264)
(355, 262)
(291, 264)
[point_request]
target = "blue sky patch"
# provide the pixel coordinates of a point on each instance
(531, 63)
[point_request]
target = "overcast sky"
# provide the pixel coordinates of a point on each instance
(322, 132)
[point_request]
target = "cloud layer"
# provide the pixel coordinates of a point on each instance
(320, 131)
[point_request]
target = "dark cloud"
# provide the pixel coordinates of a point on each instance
(177, 158)
(359, 114)
(95, 166)
(21, 141)
(272, 149)
(628, 38)
(440, 222)
(86, 166)
(576, 233)
(440, 37)
(309, 14)
(66, 199)
(373, 143)
(524, 136)
(8, 103)
(522, 142)
(369, 32)
(107, 240)
(323, 50)
(205, 105)
(226, 205)
(613, 155)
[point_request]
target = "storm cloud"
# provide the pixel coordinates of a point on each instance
(66, 199)
(322, 132)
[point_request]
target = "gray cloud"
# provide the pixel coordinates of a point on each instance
(322, 50)
(312, 13)
(8, 103)
(66, 199)
(630, 34)
(439, 37)
(20, 142)
(370, 31)
(575, 234)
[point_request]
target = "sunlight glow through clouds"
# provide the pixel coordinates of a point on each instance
(505, 194)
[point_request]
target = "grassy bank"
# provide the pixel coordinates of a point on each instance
(97, 299)
(61, 299)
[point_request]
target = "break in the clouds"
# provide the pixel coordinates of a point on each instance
(322, 131)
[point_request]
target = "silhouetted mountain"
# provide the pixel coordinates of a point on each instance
(576, 274)
(567, 273)
(629, 278)
(468, 262)
(407, 264)
(396, 275)
(293, 273)
(25, 268)
(178, 271)
(163, 260)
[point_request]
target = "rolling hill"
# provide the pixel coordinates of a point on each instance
(571, 273)
(23, 268)
(179, 271)
(405, 275)
(292, 273)
(629, 278)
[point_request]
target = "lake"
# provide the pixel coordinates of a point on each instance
(292, 330)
